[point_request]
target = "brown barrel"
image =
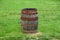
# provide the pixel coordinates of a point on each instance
(29, 20)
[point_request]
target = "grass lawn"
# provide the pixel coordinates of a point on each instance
(48, 14)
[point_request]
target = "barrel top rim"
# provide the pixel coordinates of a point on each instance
(29, 9)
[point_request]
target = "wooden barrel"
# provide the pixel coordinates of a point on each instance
(29, 20)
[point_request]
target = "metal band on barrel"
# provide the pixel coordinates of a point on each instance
(29, 22)
(29, 25)
(29, 12)
(29, 16)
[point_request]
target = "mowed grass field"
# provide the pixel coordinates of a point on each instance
(48, 14)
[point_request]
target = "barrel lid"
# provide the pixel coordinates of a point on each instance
(30, 9)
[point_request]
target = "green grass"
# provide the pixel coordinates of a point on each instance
(48, 13)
